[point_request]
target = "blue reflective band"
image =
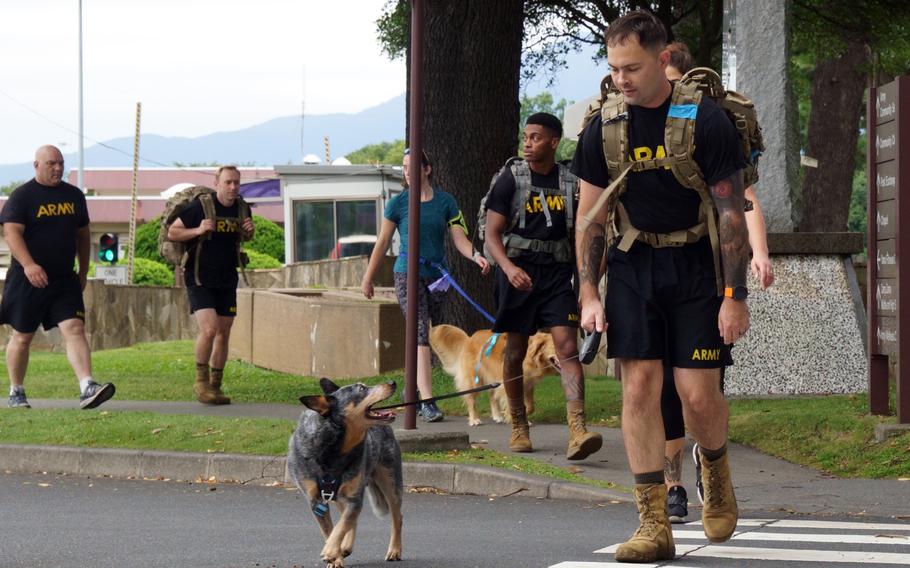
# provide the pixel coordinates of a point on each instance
(683, 111)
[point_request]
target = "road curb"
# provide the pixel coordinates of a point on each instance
(271, 471)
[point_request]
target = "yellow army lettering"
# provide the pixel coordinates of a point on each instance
(706, 355)
(554, 203)
(56, 209)
(226, 226)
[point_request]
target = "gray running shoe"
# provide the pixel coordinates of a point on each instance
(18, 400)
(677, 504)
(95, 395)
(431, 412)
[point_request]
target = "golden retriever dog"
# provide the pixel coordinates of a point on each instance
(466, 357)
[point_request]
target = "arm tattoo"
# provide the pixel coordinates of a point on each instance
(673, 467)
(729, 198)
(592, 252)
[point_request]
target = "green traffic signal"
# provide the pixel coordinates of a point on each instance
(107, 248)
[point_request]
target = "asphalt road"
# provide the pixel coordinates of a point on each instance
(68, 521)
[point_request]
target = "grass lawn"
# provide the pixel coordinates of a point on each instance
(830, 433)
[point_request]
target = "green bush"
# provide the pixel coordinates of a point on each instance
(150, 273)
(260, 260)
(147, 240)
(268, 238)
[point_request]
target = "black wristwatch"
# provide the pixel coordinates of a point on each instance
(736, 292)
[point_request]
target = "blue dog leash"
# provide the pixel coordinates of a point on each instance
(446, 281)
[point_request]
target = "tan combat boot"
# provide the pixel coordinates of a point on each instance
(720, 512)
(581, 442)
(520, 440)
(201, 387)
(653, 540)
(215, 382)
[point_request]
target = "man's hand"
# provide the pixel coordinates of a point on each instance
(207, 226)
(248, 228)
(763, 271)
(592, 315)
(518, 278)
(36, 275)
(733, 320)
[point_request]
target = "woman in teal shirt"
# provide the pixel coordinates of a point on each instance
(439, 214)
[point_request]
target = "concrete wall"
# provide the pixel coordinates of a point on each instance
(344, 273)
(307, 332)
(119, 316)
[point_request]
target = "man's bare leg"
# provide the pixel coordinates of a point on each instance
(513, 379)
(581, 442)
(207, 322)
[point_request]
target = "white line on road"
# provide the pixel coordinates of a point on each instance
(833, 525)
(901, 539)
(784, 554)
(603, 564)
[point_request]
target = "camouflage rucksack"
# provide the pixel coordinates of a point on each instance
(679, 143)
(176, 253)
(514, 244)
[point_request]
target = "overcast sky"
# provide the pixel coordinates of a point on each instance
(198, 66)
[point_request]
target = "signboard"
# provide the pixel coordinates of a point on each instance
(111, 274)
(888, 166)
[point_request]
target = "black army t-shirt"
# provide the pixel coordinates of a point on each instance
(500, 201)
(655, 200)
(218, 262)
(51, 215)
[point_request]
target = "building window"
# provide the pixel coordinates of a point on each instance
(323, 229)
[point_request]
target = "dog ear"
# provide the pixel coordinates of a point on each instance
(316, 402)
(328, 387)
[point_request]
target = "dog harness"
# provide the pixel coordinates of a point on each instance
(487, 349)
(328, 489)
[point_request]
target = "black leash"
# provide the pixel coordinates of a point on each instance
(440, 397)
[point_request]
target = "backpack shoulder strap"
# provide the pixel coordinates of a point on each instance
(679, 134)
(522, 174)
(569, 185)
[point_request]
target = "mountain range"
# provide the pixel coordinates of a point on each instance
(275, 142)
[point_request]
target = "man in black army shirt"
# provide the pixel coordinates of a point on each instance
(662, 303)
(213, 291)
(46, 226)
(534, 284)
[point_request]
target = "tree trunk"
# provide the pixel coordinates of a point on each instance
(470, 116)
(837, 105)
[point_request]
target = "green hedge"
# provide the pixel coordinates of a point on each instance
(260, 260)
(150, 273)
(268, 238)
(147, 240)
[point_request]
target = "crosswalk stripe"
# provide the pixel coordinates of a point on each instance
(783, 554)
(803, 537)
(603, 564)
(833, 525)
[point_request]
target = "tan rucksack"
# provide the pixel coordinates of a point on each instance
(679, 143)
(176, 253)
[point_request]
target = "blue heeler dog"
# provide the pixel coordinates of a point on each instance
(341, 450)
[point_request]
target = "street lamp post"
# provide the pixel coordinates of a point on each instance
(80, 179)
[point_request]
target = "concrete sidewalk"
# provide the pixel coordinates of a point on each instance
(762, 482)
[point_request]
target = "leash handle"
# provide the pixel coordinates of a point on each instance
(589, 347)
(440, 397)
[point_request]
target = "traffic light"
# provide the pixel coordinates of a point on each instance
(107, 248)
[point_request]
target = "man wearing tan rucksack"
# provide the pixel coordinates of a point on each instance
(211, 227)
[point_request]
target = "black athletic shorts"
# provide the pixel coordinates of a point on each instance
(550, 302)
(662, 303)
(222, 300)
(25, 307)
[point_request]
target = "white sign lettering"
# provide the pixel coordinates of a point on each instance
(886, 334)
(111, 274)
(882, 220)
(882, 143)
(887, 110)
(885, 258)
(887, 181)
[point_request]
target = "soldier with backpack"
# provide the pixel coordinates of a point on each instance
(211, 226)
(527, 232)
(667, 163)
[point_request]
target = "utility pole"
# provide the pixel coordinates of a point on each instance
(81, 177)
